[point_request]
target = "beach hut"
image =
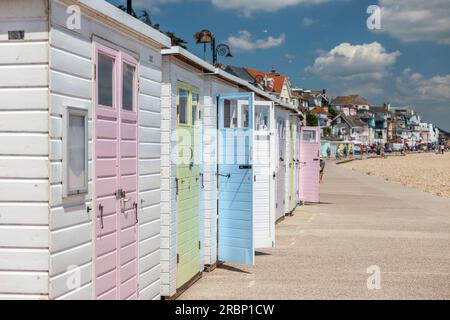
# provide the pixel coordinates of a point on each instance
(310, 164)
(217, 160)
(80, 151)
(281, 166)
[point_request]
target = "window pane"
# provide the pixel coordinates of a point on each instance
(230, 119)
(76, 154)
(183, 106)
(128, 87)
(309, 136)
(195, 107)
(105, 80)
(262, 118)
(244, 116)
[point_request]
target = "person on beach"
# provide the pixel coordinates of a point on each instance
(322, 169)
(328, 153)
(442, 149)
(345, 151)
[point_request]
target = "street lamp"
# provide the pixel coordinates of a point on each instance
(129, 6)
(206, 36)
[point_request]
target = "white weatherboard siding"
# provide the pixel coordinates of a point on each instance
(72, 84)
(24, 173)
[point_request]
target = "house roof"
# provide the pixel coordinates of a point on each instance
(318, 110)
(240, 73)
(352, 100)
(353, 121)
(378, 109)
(279, 80)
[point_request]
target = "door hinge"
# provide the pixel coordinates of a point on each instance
(178, 258)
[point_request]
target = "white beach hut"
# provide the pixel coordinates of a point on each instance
(80, 86)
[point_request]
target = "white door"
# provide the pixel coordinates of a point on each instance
(264, 175)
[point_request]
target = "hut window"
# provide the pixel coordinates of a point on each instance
(105, 80)
(183, 106)
(195, 109)
(245, 116)
(309, 136)
(262, 118)
(76, 155)
(128, 87)
(230, 117)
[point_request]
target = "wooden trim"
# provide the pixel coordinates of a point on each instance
(184, 287)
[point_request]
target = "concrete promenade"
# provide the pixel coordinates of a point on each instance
(324, 251)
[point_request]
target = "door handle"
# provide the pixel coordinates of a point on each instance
(135, 206)
(224, 175)
(100, 208)
(203, 185)
(176, 183)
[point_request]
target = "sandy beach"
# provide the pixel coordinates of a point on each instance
(427, 172)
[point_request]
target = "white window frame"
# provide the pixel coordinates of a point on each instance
(66, 142)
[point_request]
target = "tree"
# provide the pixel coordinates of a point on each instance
(327, 131)
(312, 120)
(333, 112)
(176, 41)
(145, 17)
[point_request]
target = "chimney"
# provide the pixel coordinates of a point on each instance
(324, 91)
(274, 71)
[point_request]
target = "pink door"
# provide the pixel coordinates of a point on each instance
(309, 164)
(116, 127)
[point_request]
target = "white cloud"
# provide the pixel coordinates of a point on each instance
(435, 88)
(245, 42)
(308, 22)
(348, 61)
(250, 6)
(416, 20)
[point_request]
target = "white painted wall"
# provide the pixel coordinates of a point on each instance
(42, 234)
(24, 151)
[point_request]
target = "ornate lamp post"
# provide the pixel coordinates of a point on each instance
(129, 6)
(205, 37)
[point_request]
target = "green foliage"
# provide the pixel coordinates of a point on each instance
(333, 112)
(312, 120)
(145, 17)
(327, 131)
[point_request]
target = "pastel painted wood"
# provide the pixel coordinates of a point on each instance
(310, 164)
(235, 240)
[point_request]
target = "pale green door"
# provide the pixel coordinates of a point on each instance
(188, 185)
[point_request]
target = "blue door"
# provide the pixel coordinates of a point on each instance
(235, 178)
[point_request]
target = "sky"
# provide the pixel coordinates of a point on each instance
(327, 44)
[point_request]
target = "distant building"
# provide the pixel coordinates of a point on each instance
(349, 105)
(351, 128)
(274, 83)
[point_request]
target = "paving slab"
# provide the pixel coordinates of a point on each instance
(324, 250)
